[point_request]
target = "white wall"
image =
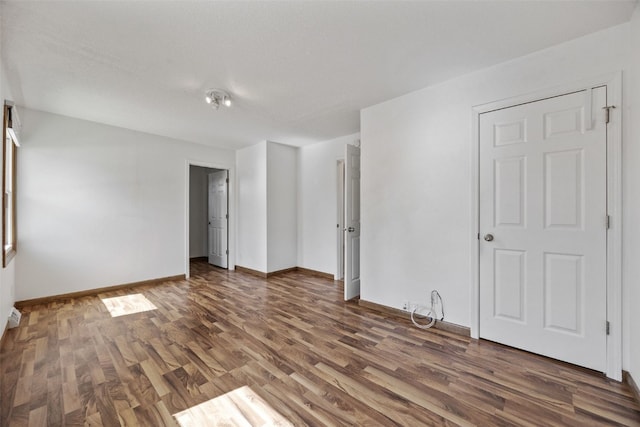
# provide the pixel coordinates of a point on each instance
(282, 215)
(317, 203)
(198, 210)
(7, 275)
(99, 205)
(267, 206)
(415, 171)
(631, 207)
(251, 165)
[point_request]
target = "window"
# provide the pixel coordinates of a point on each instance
(10, 142)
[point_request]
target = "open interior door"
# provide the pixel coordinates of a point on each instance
(352, 223)
(218, 219)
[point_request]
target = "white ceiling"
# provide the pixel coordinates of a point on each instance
(299, 72)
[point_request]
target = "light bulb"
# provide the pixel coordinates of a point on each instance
(208, 99)
(227, 101)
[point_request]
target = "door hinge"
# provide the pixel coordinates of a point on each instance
(227, 216)
(608, 327)
(478, 236)
(608, 222)
(607, 113)
(227, 180)
(227, 251)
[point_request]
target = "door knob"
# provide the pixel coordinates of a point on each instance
(488, 237)
(351, 229)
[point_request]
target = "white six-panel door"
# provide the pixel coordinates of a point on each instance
(543, 207)
(218, 219)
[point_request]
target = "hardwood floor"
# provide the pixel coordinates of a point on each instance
(225, 348)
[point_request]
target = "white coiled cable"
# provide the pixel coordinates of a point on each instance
(431, 313)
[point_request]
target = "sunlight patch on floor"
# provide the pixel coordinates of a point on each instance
(240, 407)
(128, 304)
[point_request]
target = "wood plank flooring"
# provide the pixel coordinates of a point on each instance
(228, 348)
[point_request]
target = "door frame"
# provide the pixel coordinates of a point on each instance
(340, 220)
(231, 208)
(613, 81)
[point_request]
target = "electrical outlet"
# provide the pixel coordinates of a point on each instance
(14, 318)
(408, 306)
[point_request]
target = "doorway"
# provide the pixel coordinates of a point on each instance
(208, 215)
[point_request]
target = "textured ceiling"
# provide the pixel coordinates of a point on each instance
(299, 72)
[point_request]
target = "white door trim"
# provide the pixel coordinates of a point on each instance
(613, 82)
(231, 209)
(340, 220)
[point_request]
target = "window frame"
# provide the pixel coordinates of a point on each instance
(9, 248)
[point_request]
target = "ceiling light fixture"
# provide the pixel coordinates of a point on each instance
(217, 97)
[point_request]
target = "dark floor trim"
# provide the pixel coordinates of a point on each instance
(440, 324)
(96, 291)
(251, 271)
(283, 271)
(199, 258)
(89, 292)
(627, 378)
(315, 273)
